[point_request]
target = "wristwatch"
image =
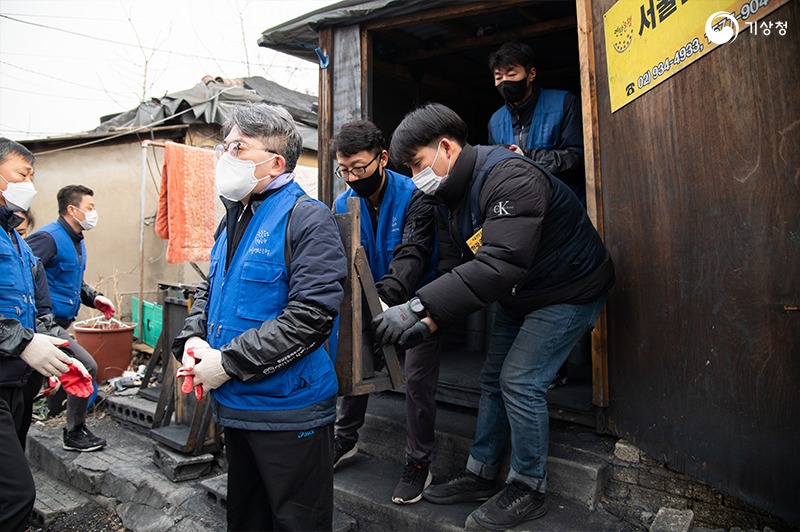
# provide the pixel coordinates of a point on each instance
(416, 307)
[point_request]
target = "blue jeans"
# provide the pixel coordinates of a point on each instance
(522, 360)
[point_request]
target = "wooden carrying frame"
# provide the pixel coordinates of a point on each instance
(354, 356)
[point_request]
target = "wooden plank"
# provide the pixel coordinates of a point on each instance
(325, 121)
(594, 188)
(344, 353)
(374, 303)
(354, 210)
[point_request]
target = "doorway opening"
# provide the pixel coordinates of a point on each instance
(441, 55)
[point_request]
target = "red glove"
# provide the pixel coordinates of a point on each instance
(188, 378)
(77, 381)
(104, 305)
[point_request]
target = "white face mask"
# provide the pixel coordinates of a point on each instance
(90, 222)
(19, 196)
(427, 181)
(236, 178)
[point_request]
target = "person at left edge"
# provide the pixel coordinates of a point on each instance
(60, 247)
(256, 331)
(22, 350)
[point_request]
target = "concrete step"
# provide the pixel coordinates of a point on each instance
(125, 474)
(217, 491)
(54, 499)
(364, 485)
(577, 467)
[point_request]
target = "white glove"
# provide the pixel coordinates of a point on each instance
(192, 342)
(104, 305)
(42, 355)
(208, 370)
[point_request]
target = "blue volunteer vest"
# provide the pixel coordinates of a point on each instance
(545, 124)
(252, 289)
(380, 244)
(17, 300)
(65, 273)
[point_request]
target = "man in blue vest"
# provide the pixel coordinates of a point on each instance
(255, 335)
(62, 251)
(526, 243)
(398, 235)
(544, 124)
(22, 349)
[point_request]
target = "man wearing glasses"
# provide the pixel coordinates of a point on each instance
(255, 335)
(397, 232)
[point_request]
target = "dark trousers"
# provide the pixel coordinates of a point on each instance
(29, 392)
(422, 376)
(17, 490)
(280, 480)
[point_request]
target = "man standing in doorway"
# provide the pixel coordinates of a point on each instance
(543, 124)
(62, 251)
(398, 235)
(529, 245)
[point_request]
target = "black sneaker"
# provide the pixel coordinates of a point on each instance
(81, 439)
(515, 504)
(463, 487)
(343, 450)
(415, 478)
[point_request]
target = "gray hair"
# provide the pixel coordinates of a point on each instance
(272, 125)
(8, 146)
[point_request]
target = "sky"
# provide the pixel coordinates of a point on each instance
(66, 63)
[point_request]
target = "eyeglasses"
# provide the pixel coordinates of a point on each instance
(356, 171)
(234, 147)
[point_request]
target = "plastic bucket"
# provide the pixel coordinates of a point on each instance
(110, 343)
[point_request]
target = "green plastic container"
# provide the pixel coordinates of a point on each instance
(151, 324)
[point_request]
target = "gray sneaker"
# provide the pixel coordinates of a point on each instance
(464, 487)
(416, 477)
(515, 504)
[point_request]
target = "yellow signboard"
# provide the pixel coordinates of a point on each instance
(648, 41)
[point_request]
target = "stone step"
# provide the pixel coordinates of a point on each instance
(54, 499)
(125, 474)
(577, 467)
(364, 485)
(217, 491)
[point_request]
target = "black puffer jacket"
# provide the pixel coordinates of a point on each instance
(538, 246)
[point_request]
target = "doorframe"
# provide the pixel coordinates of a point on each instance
(594, 184)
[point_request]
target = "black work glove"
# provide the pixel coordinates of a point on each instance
(394, 321)
(414, 336)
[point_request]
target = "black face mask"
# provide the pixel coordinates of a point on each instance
(513, 91)
(367, 186)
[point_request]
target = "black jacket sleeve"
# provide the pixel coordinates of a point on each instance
(509, 242)
(43, 246)
(88, 294)
(14, 338)
(412, 258)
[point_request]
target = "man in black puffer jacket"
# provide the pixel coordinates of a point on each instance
(525, 241)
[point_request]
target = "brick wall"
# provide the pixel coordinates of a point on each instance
(638, 486)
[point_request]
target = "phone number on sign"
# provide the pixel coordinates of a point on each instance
(659, 69)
